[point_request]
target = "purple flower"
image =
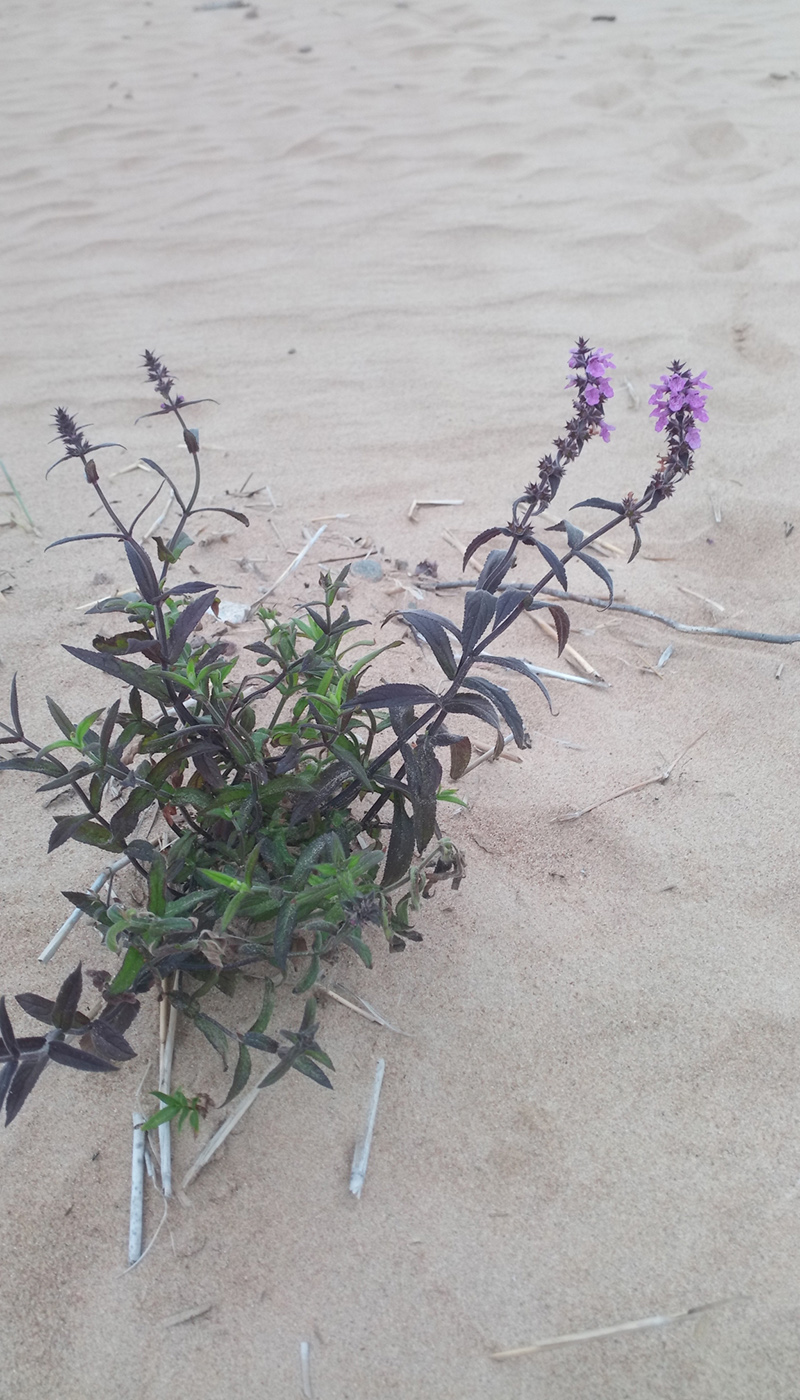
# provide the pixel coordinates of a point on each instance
(679, 403)
(606, 429)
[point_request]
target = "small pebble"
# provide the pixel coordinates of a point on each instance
(367, 568)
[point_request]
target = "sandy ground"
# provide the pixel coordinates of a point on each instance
(371, 230)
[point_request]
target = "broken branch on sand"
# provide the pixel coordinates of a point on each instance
(776, 639)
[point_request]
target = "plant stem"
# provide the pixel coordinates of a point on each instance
(137, 1190)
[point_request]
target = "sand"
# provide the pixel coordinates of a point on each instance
(371, 231)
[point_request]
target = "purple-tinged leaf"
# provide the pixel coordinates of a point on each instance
(82, 828)
(63, 721)
(553, 560)
(125, 643)
(74, 1058)
(142, 571)
(28, 764)
(187, 621)
(223, 510)
(190, 587)
(150, 681)
(482, 538)
(510, 599)
(401, 844)
(382, 696)
(79, 539)
(27, 1073)
(505, 705)
(561, 623)
(66, 1002)
(479, 610)
(110, 1041)
(637, 542)
(598, 503)
(575, 537)
(498, 564)
(7, 1031)
(241, 1074)
(424, 775)
(511, 663)
(597, 568)
(40, 1008)
(480, 708)
(7, 1072)
(14, 706)
(432, 628)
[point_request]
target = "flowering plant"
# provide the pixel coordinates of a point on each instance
(252, 806)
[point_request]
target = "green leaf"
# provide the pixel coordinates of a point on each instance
(157, 901)
(309, 977)
(312, 1071)
(132, 965)
(267, 1007)
(63, 721)
(214, 1033)
(283, 933)
(241, 1074)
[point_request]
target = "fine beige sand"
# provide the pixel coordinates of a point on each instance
(372, 230)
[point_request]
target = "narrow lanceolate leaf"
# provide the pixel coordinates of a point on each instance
(561, 624)
(312, 1071)
(433, 629)
(7, 1031)
(14, 706)
(637, 542)
(126, 818)
(511, 663)
(79, 828)
(7, 1072)
(309, 978)
(597, 568)
(598, 503)
(511, 600)
(482, 538)
(401, 843)
(382, 696)
(553, 560)
(66, 1002)
(285, 925)
(214, 1033)
(187, 622)
(65, 1054)
(40, 1008)
(64, 723)
(142, 571)
(241, 1074)
(479, 611)
(575, 537)
(481, 709)
(150, 681)
(494, 570)
(28, 1070)
(506, 706)
(132, 964)
(110, 1041)
(25, 764)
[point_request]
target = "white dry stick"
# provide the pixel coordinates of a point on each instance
(664, 657)
(219, 1137)
(639, 1325)
(137, 1191)
(716, 507)
(166, 1053)
(159, 520)
(569, 652)
(290, 568)
(361, 1154)
(565, 676)
(690, 593)
(415, 505)
(305, 1370)
(69, 923)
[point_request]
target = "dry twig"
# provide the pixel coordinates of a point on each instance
(639, 1325)
(661, 777)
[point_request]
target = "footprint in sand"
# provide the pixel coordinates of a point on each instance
(716, 140)
(698, 227)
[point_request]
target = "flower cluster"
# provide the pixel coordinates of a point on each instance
(594, 388)
(71, 434)
(681, 395)
(679, 400)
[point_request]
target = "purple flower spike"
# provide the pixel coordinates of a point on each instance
(679, 404)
